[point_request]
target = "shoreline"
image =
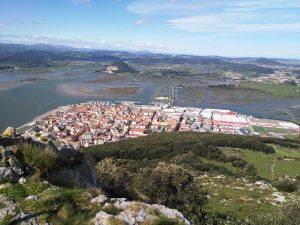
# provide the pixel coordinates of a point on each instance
(31, 123)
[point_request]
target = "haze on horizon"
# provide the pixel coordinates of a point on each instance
(254, 28)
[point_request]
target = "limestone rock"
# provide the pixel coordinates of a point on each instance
(8, 207)
(134, 213)
(22, 180)
(10, 174)
(32, 198)
(27, 219)
(170, 213)
(5, 186)
(101, 218)
(100, 199)
(9, 159)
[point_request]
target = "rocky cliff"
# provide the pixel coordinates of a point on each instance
(71, 168)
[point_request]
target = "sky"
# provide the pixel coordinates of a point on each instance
(234, 28)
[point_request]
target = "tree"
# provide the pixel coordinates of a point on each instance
(175, 187)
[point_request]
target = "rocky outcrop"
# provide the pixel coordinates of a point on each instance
(73, 170)
(133, 213)
(10, 174)
(7, 208)
(11, 168)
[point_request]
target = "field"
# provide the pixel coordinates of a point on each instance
(272, 166)
(262, 163)
(280, 90)
(245, 196)
(267, 129)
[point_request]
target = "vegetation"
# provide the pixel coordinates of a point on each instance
(19, 192)
(287, 215)
(44, 161)
(281, 90)
(168, 145)
(44, 138)
(162, 221)
(166, 184)
(286, 186)
(141, 169)
(268, 129)
(111, 209)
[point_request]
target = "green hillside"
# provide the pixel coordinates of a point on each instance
(239, 173)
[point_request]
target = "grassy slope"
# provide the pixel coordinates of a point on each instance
(227, 165)
(282, 90)
(261, 162)
(282, 166)
(62, 206)
(251, 199)
(231, 194)
(239, 196)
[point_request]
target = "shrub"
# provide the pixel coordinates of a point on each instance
(166, 184)
(173, 186)
(224, 219)
(286, 186)
(65, 211)
(7, 220)
(111, 209)
(287, 215)
(44, 160)
(44, 138)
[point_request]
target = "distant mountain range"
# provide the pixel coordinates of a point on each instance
(43, 55)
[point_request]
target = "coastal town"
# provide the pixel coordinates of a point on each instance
(96, 123)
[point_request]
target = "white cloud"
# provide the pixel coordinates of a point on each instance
(224, 15)
(1, 25)
(180, 7)
(77, 2)
(140, 21)
(229, 23)
(165, 7)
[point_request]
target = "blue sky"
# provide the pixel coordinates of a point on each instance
(269, 28)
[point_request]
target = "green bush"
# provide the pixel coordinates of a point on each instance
(111, 209)
(166, 184)
(44, 160)
(286, 186)
(288, 215)
(6, 220)
(44, 138)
